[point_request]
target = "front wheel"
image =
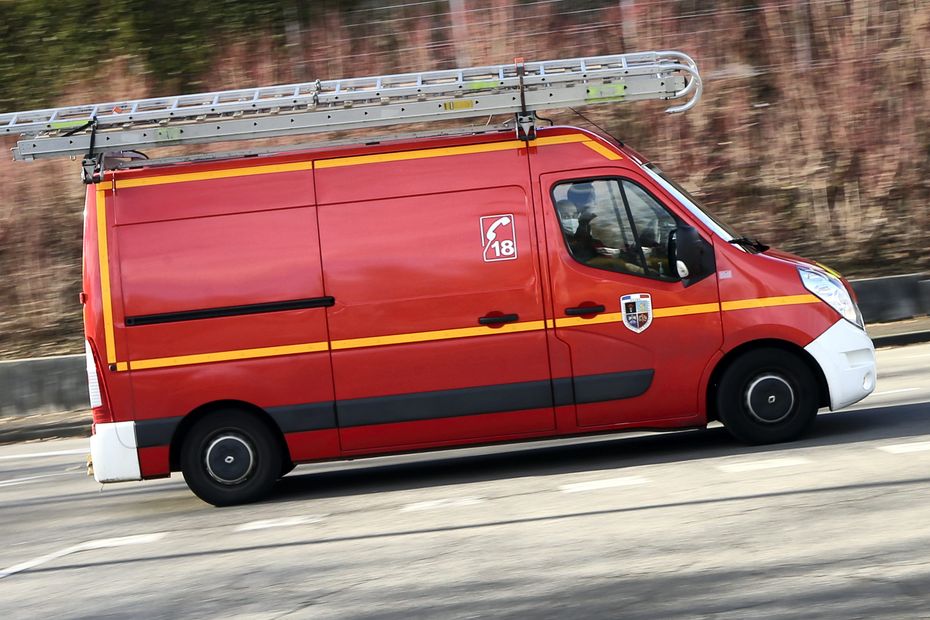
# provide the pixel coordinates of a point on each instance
(767, 396)
(230, 457)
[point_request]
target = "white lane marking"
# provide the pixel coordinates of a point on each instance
(904, 448)
(282, 522)
(103, 543)
(38, 455)
(883, 393)
(764, 464)
(607, 483)
(455, 502)
(15, 481)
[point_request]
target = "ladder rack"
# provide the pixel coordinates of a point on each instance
(356, 103)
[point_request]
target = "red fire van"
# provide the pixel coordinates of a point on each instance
(251, 313)
(247, 312)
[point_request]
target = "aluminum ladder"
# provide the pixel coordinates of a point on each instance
(334, 105)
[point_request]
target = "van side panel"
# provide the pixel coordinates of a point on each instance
(407, 267)
(235, 260)
(429, 170)
(222, 300)
(153, 198)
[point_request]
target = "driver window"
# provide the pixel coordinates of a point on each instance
(614, 225)
(653, 226)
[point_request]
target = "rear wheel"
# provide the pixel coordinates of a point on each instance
(767, 396)
(230, 457)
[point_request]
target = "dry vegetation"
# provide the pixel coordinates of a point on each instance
(813, 133)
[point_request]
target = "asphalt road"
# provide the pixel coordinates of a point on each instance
(686, 524)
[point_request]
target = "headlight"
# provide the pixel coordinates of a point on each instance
(832, 292)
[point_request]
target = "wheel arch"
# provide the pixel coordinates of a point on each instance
(208, 409)
(823, 398)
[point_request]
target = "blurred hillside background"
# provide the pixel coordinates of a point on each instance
(813, 133)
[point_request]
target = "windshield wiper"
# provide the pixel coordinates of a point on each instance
(753, 243)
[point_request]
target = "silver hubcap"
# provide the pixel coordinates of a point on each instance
(769, 398)
(229, 459)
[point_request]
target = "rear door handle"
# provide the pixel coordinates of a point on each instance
(584, 310)
(499, 319)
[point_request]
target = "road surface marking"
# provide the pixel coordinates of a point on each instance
(103, 543)
(883, 393)
(38, 455)
(904, 448)
(765, 464)
(15, 481)
(455, 502)
(282, 522)
(607, 483)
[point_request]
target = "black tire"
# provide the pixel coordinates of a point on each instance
(230, 457)
(767, 396)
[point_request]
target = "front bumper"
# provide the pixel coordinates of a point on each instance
(114, 452)
(847, 357)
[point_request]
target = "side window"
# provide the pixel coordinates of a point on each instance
(653, 225)
(614, 224)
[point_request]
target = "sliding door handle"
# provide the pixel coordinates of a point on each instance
(585, 310)
(499, 319)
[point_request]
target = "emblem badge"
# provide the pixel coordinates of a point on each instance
(637, 311)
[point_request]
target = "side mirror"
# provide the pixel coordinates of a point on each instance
(690, 256)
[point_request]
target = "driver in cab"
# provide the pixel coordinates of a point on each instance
(585, 237)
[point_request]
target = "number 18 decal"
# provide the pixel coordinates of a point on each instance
(498, 238)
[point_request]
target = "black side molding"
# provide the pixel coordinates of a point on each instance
(213, 313)
(612, 386)
(433, 405)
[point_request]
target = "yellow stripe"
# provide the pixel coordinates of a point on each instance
(315, 347)
(444, 334)
(421, 154)
(363, 159)
(216, 174)
(104, 260)
(510, 145)
(768, 302)
(566, 139)
(602, 150)
(464, 332)
(660, 313)
(574, 321)
(225, 356)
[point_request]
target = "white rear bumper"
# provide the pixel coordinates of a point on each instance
(847, 357)
(114, 452)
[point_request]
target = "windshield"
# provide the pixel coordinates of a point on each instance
(693, 205)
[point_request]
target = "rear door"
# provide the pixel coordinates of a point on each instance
(222, 296)
(638, 339)
(437, 332)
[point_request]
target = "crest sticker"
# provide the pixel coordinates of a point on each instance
(637, 311)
